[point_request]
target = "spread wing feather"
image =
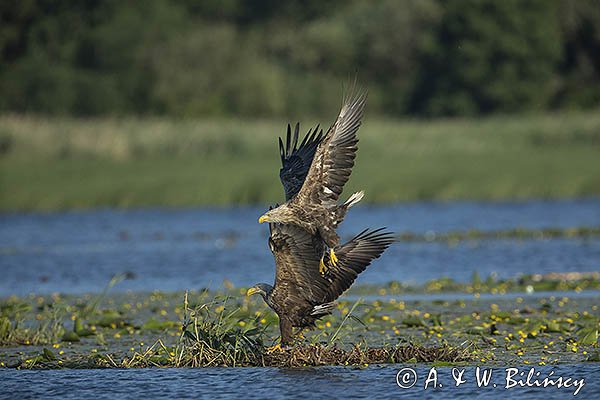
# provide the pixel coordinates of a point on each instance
(297, 254)
(296, 161)
(334, 158)
(354, 257)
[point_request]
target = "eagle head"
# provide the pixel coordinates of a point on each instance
(274, 215)
(263, 289)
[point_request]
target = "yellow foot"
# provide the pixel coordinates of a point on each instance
(333, 257)
(275, 348)
(322, 267)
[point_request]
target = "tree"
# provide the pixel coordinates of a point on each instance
(490, 56)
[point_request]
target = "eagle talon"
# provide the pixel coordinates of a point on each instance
(322, 267)
(333, 257)
(275, 348)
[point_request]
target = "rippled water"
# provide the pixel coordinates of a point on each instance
(76, 252)
(162, 249)
(272, 383)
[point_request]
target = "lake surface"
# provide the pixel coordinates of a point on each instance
(164, 249)
(273, 383)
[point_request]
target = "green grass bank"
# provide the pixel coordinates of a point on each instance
(63, 163)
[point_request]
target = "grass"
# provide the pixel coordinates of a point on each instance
(226, 328)
(60, 163)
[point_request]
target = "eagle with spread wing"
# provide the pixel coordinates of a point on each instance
(313, 203)
(301, 294)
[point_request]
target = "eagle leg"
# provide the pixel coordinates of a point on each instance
(322, 267)
(275, 348)
(286, 330)
(333, 257)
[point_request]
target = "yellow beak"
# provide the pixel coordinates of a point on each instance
(262, 219)
(251, 291)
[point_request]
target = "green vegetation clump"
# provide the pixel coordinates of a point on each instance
(454, 237)
(226, 328)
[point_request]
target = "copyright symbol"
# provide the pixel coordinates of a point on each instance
(406, 378)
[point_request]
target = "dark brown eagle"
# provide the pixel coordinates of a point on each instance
(301, 293)
(314, 205)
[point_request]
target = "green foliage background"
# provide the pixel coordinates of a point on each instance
(278, 58)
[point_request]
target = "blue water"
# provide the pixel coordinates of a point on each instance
(273, 383)
(164, 249)
(77, 252)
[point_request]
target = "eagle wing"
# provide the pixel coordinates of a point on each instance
(354, 257)
(298, 282)
(296, 161)
(334, 158)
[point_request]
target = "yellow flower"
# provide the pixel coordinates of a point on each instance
(385, 318)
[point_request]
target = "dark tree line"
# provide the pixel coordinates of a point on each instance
(270, 57)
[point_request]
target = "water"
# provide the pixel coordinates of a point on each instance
(77, 252)
(273, 383)
(163, 249)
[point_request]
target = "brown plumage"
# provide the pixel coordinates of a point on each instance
(301, 294)
(296, 161)
(314, 206)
